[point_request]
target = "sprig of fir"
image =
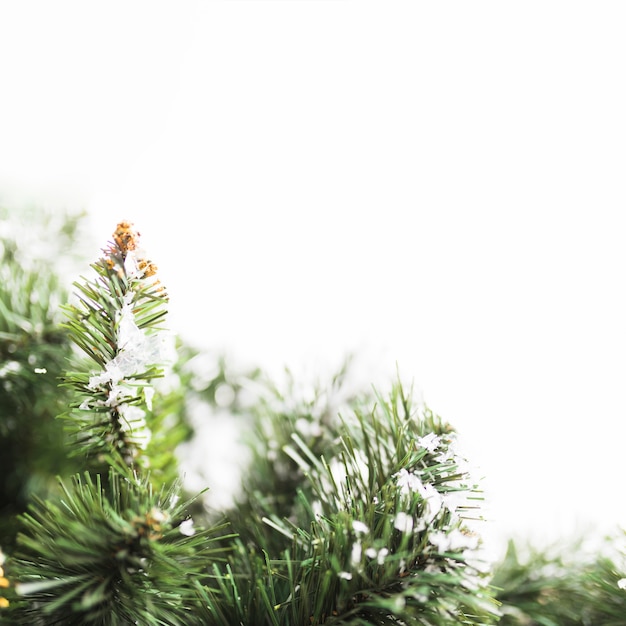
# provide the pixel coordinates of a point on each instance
(376, 530)
(113, 550)
(114, 554)
(116, 323)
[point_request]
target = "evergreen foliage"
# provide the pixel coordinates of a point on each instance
(108, 550)
(123, 554)
(34, 351)
(355, 519)
(563, 585)
(116, 323)
(356, 507)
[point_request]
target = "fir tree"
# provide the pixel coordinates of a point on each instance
(356, 518)
(356, 507)
(113, 548)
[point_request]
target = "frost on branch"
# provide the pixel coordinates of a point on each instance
(116, 323)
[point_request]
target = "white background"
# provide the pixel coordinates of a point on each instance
(437, 185)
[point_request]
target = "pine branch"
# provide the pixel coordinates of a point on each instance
(375, 533)
(563, 584)
(120, 555)
(115, 323)
(113, 550)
